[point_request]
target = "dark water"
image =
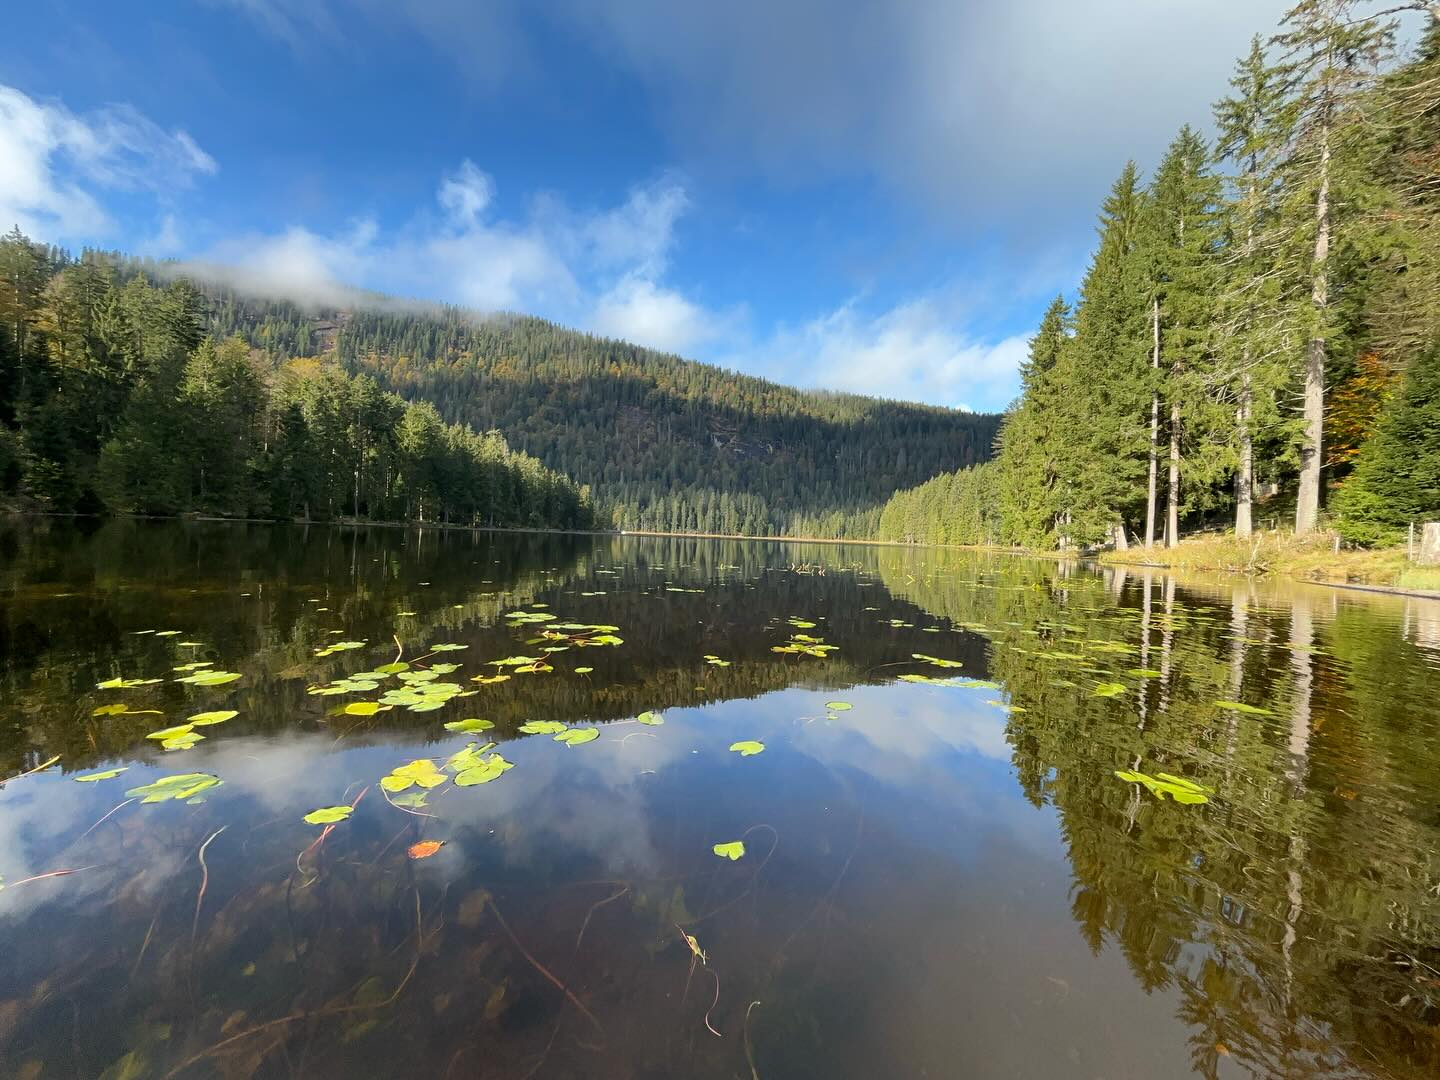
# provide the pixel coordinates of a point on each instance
(939, 881)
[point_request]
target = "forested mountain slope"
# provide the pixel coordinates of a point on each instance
(664, 443)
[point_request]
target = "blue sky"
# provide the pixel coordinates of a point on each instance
(865, 195)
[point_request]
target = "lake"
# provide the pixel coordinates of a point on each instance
(618, 807)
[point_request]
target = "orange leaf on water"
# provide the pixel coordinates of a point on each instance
(425, 848)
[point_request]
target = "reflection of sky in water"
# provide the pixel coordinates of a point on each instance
(944, 843)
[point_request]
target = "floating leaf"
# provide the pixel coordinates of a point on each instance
(470, 725)
(219, 716)
(124, 710)
(177, 786)
(732, 850)
(1177, 787)
(839, 706)
(328, 815)
(424, 849)
(747, 747)
(448, 647)
(364, 708)
(650, 718)
(211, 678)
(391, 669)
(576, 736)
(542, 727)
(937, 661)
(1109, 689)
(182, 742)
(444, 669)
(421, 773)
(171, 732)
(340, 646)
(486, 680)
(490, 768)
(107, 774)
(124, 684)
(414, 799)
(1241, 707)
(578, 671)
(193, 667)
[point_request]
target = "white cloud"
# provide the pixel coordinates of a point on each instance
(600, 269)
(50, 158)
(914, 351)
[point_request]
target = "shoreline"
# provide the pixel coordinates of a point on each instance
(1286, 567)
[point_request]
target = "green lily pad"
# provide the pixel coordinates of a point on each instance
(1109, 689)
(211, 678)
(182, 742)
(732, 850)
(177, 786)
(171, 732)
(490, 768)
(470, 725)
(839, 706)
(107, 774)
(542, 727)
(328, 815)
(576, 736)
(747, 747)
(448, 647)
(652, 719)
(219, 716)
(364, 708)
(1241, 707)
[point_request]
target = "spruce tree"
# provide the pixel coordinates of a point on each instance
(1332, 56)
(1030, 439)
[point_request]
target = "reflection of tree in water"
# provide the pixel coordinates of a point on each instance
(1297, 913)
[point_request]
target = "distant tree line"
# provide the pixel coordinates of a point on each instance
(113, 396)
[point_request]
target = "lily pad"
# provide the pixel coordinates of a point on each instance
(747, 747)
(651, 719)
(211, 678)
(1109, 689)
(839, 706)
(106, 774)
(182, 742)
(1162, 784)
(364, 708)
(470, 725)
(177, 786)
(448, 647)
(171, 732)
(328, 815)
(1241, 707)
(542, 727)
(219, 716)
(576, 736)
(731, 850)
(491, 768)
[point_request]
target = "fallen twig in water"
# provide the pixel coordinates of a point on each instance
(102, 821)
(749, 1052)
(542, 969)
(52, 873)
(38, 768)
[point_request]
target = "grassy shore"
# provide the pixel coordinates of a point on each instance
(1309, 558)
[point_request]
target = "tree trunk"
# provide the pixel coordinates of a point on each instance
(1172, 490)
(1245, 476)
(1150, 490)
(1307, 507)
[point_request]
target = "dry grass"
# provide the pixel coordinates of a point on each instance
(1311, 558)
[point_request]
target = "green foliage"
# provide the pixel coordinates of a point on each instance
(1397, 475)
(115, 397)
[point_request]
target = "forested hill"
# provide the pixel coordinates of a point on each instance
(664, 443)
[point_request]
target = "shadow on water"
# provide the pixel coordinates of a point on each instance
(942, 873)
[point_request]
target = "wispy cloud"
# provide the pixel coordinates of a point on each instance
(917, 350)
(52, 161)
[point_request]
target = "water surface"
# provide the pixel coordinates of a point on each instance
(942, 875)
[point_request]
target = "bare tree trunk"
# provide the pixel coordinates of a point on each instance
(1245, 477)
(1307, 507)
(1172, 492)
(1150, 492)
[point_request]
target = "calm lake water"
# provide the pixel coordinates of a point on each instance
(942, 873)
